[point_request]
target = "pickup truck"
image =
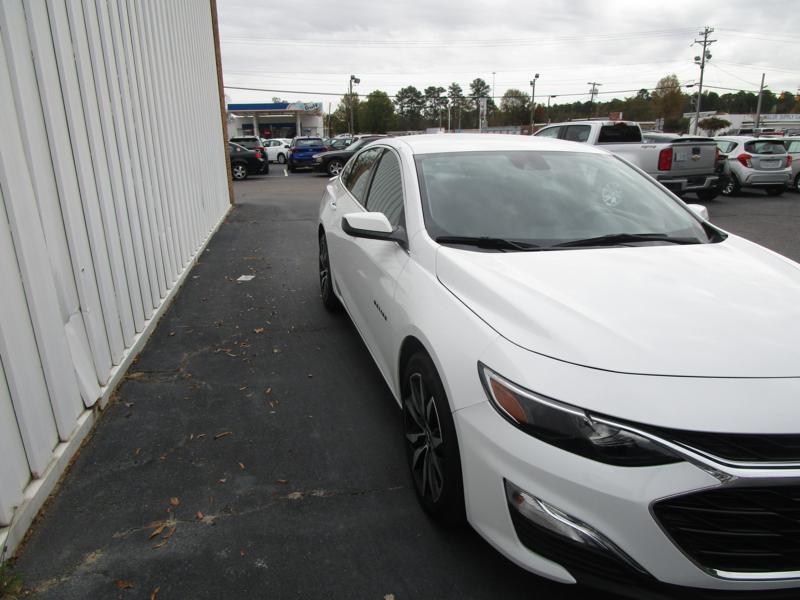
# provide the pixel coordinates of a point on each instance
(681, 165)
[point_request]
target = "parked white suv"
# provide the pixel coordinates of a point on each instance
(278, 149)
(755, 163)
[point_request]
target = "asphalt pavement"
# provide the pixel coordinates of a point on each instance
(254, 451)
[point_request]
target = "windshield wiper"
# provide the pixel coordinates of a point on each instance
(486, 242)
(624, 238)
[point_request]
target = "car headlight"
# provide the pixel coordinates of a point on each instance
(571, 428)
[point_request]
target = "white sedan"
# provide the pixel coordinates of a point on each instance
(603, 383)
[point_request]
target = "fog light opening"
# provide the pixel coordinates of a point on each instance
(557, 521)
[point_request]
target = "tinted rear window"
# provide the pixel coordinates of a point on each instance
(619, 132)
(248, 143)
(765, 147)
(303, 143)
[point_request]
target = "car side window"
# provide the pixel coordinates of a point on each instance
(386, 192)
(577, 133)
(551, 132)
(357, 177)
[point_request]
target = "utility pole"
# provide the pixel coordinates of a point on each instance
(353, 79)
(701, 61)
(758, 107)
(533, 101)
(493, 74)
(592, 93)
(548, 108)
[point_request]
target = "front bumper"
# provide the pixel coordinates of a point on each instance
(616, 501)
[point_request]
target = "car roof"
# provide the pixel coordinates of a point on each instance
(472, 142)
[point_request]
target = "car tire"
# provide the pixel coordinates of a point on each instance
(329, 299)
(797, 183)
(239, 171)
(282, 158)
(334, 167)
(431, 442)
(775, 190)
(706, 195)
(732, 187)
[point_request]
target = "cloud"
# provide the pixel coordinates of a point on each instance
(314, 46)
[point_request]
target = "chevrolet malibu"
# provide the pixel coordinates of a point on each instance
(603, 383)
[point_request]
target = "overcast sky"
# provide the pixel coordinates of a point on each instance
(314, 46)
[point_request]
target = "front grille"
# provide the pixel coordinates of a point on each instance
(738, 447)
(746, 530)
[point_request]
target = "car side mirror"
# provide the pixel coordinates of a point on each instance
(373, 226)
(700, 210)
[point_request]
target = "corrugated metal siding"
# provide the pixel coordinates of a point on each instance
(112, 176)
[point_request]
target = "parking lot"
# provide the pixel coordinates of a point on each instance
(256, 428)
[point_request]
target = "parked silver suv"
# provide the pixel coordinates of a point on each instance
(793, 148)
(755, 163)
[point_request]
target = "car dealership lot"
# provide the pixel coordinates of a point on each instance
(308, 494)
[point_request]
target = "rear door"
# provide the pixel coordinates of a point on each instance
(767, 155)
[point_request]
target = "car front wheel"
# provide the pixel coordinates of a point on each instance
(282, 158)
(329, 299)
(431, 442)
(732, 187)
(335, 167)
(239, 171)
(797, 183)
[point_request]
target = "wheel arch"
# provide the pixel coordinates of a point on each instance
(412, 344)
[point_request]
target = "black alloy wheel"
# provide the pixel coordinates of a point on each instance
(329, 299)
(431, 442)
(732, 187)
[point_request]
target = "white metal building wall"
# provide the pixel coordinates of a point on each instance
(112, 178)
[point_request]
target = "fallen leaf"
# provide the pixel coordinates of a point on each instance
(241, 552)
(137, 375)
(157, 531)
(244, 387)
(295, 496)
(123, 584)
(136, 452)
(222, 434)
(154, 593)
(199, 515)
(201, 435)
(258, 330)
(310, 375)
(171, 333)
(282, 481)
(276, 350)
(221, 480)
(241, 466)
(174, 501)
(388, 597)
(160, 544)
(170, 533)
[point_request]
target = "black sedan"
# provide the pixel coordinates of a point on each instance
(245, 162)
(333, 162)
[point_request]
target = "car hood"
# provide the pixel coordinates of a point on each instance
(730, 309)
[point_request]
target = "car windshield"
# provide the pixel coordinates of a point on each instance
(546, 198)
(305, 142)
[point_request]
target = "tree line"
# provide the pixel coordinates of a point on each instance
(412, 109)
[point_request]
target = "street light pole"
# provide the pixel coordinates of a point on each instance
(758, 108)
(533, 101)
(353, 79)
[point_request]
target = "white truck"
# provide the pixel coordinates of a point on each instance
(682, 165)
